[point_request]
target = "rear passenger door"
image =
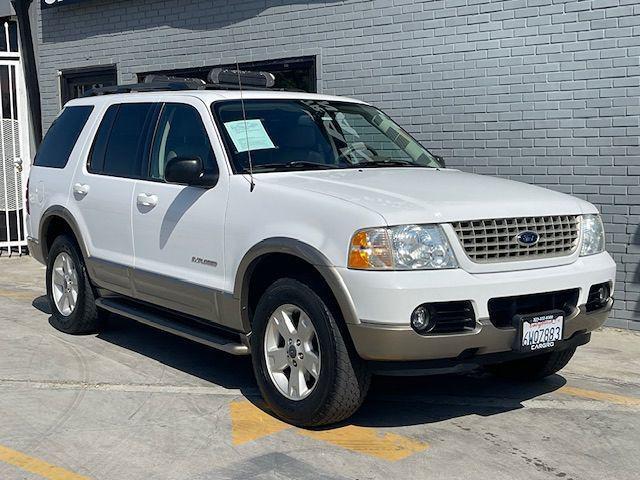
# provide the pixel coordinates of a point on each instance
(103, 188)
(179, 230)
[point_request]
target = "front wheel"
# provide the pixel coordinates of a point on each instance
(306, 371)
(533, 368)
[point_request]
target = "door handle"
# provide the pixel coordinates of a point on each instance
(147, 200)
(80, 189)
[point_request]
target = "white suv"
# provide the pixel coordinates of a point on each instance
(311, 232)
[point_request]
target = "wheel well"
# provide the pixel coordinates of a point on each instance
(270, 267)
(54, 227)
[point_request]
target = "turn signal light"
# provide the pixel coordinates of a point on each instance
(371, 250)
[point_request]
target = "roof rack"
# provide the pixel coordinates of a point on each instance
(221, 79)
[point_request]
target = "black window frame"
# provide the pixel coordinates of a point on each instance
(309, 62)
(70, 76)
(43, 144)
(152, 141)
(144, 144)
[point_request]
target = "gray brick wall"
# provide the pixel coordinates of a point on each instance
(541, 91)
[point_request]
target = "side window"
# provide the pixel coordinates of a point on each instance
(61, 137)
(120, 145)
(95, 164)
(180, 133)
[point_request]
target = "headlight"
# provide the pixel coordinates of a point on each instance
(406, 247)
(592, 233)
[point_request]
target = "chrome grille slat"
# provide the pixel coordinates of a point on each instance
(494, 240)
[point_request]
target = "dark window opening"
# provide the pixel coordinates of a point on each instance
(8, 35)
(61, 137)
(121, 145)
(291, 73)
(75, 83)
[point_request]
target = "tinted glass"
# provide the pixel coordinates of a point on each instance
(95, 163)
(125, 147)
(63, 133)
(180, 133)
(311, 134)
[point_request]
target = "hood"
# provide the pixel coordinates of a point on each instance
(425, 195)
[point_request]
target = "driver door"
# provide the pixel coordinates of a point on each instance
(178, 230)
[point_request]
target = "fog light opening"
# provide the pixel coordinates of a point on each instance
(603, 294)
(599, 296)
(422, 320)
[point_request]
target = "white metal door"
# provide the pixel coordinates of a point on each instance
(14, 156)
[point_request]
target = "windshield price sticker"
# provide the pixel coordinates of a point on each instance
(249, 135)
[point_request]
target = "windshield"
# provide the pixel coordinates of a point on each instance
(312, 134)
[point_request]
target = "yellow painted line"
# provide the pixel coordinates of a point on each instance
(249, 423)
(386, 446)
(601, 396)
(38, 467)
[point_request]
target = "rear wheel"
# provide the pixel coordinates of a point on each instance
(306, 371)
(69, 291)
(533, 368)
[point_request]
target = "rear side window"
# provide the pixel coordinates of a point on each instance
(122, 140)
(59, 141)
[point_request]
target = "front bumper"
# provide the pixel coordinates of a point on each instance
(385, 305)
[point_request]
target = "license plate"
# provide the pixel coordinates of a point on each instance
(539, 331)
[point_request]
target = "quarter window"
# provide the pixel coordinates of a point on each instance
(63, 133)
(180, 133)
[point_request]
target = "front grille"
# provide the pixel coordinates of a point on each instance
(494, 240)
(502, 310)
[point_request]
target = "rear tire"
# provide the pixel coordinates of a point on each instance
(342, 379)
(69, 291)
(533, 368)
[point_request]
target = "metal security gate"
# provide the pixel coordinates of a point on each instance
(14, 163)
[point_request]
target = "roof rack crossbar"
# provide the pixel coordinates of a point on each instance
(220, 80)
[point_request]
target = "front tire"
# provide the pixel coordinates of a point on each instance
(533, 368)
(307, 373)
(69, 290)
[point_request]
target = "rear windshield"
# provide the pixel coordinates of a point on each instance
(278, 135)
(61, 137)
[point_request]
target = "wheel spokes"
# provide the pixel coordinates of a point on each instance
(58, 277)
(286, 328)
(311, 364)
(297, 383)
(278, 359)
(291, 352)
(306, 331)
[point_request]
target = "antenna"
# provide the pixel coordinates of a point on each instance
(246, 132)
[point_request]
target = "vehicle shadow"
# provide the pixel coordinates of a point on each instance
(392, 401)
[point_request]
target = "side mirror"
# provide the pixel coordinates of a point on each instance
(189, 171)
(440, 161)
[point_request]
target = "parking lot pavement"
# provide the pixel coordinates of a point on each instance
(135, 403)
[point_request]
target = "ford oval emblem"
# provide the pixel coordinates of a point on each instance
(528, 238)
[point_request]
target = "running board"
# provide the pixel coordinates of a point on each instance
(156, 319)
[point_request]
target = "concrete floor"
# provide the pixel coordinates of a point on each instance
(135, 403)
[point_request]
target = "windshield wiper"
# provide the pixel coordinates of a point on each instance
(295, 165)
(388, 163)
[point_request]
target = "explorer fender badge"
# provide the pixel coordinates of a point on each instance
(528, 238)
(204, 261)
